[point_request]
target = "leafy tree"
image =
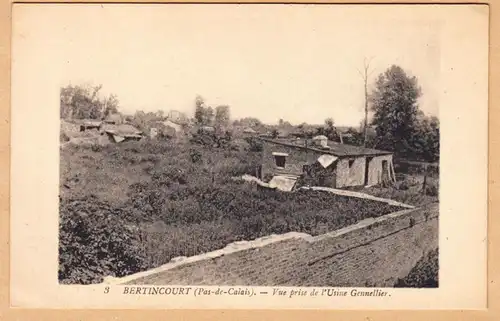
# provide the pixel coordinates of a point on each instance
(203, 115)
(329, 130)
(208, 116)
(83, 102)
(330, 123)
(144, 121)
(425, 140)
(111, 105)
(160, 114)
(199, 110)
(80, 102)
(354, 137)
(395, 106)
(222, 116)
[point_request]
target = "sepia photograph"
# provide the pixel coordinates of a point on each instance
(263, 156)
(297, 156)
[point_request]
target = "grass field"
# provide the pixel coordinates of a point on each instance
(134, 206)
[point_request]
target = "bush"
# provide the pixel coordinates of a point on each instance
(425, 274)
(255, 144)
(96, 147)
(96, 241)
(431, 190)
(195, 155)
(403, 186)
(63, 137)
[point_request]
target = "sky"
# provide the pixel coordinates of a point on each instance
(293, 62)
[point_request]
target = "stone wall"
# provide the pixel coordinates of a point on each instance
(375, 169)
(294, 161)
(374, 252)
(350, 172)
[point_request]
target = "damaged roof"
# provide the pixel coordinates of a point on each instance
(123, 130)
(336, 149)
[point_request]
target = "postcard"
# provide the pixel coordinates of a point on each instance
(257, 156)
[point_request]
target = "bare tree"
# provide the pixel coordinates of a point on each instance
(365, 74)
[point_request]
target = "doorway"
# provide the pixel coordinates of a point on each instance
(385, 172)
(367, 169)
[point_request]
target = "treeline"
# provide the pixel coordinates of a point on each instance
(84, 102)
(395, 123)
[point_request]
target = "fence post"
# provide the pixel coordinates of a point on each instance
(424, 185)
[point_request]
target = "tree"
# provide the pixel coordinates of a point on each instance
(203, 115)
(82, 101)
(160, 114)
(199, 110)
(353, 137)
(425, 140)
(222, 116)
(365, 75)
(395, 106)
(145, 121)
(208, 116)
(330, 123)
(329, 130)
(110, 105)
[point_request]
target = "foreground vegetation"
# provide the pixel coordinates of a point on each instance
(126, 208)
(425, 274)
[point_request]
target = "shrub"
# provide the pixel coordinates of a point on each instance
(425, 274)
(195, 155)
(96, 147)
(96, 241)
(403, 186)
(63, 137)
(255, 144)
(431, 190)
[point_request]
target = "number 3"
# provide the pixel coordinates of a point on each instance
(106, 289)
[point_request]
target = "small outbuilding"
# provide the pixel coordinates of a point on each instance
(122, 133)
(90, 124)
(323, 163)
